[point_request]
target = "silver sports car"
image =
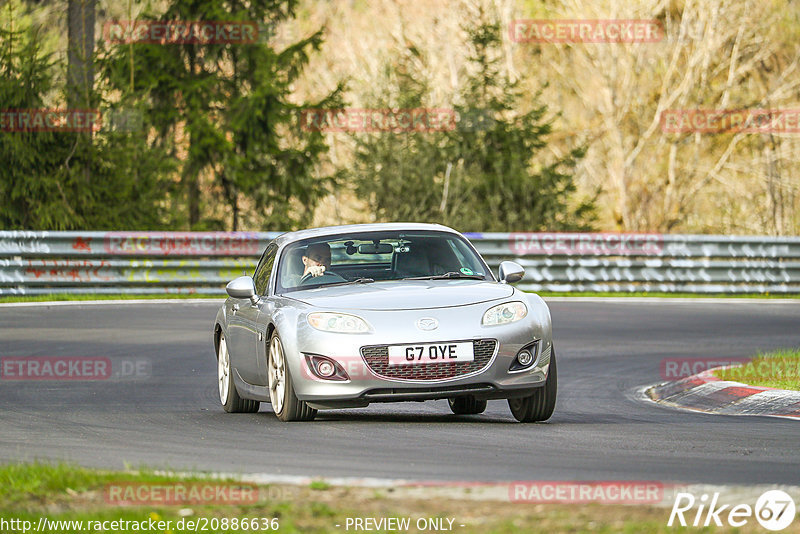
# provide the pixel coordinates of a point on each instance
(344, 316)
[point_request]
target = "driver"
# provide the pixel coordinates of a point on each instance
(317, 259)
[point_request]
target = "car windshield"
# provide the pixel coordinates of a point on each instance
(369, 257)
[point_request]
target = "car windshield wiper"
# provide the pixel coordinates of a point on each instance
(347, 282)
(452, 274)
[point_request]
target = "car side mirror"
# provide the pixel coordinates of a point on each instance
(242, 288)
(511, 272)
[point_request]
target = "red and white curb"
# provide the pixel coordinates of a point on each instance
(706, 393)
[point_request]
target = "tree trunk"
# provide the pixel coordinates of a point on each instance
(80, 54)
(80, 70)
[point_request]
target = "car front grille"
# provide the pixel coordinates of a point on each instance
(377, 359)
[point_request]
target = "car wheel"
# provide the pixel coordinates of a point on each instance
(540, 405)
(228, 396)
(468, 405)
(285, 403)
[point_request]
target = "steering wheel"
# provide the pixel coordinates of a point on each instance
(306, 277)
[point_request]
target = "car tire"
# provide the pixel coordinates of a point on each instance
(540, 405)
(468, 405)
(228, 396)
(285, 404)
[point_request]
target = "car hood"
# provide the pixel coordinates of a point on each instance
(404, 294)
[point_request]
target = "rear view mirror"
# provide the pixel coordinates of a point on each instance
(375, 248)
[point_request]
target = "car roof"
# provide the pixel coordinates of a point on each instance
(290, 237)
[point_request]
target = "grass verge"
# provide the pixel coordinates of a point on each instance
(94, 296)
(63, 492)
(778, 369)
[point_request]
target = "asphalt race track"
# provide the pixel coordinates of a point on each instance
(168, 415)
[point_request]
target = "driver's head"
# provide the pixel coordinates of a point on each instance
(317, 254)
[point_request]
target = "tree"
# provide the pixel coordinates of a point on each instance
(485, 174)
(398, 173)
(711, 55)
(43, 178)
(500, 174)
(224, 111)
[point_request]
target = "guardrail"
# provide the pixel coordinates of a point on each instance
(203, 262)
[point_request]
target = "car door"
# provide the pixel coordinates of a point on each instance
(263, 312)
(244, 329)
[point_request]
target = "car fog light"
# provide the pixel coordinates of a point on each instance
(326, 369)
(525, 357)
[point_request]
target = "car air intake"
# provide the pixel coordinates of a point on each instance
(377, 358)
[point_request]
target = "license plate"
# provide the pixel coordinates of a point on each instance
(431, 353)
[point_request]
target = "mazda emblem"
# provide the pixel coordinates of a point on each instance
(427, 323)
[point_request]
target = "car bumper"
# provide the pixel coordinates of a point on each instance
(365, 385)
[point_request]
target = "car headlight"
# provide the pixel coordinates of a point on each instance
(338, 322)
(504, 313)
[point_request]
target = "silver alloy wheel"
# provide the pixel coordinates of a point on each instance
(277, 374)
(223, 370)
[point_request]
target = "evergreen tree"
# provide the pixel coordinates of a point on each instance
(399, 173)
(498, 173)
(486, 174)
(224, 108)
(43, 180)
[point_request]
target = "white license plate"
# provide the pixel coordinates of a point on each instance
(430, 353)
